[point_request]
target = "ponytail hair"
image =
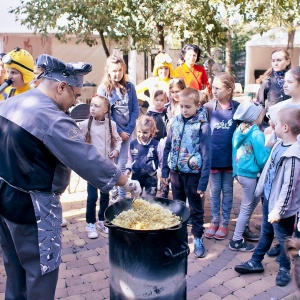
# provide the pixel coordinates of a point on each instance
(112, 138)
(88, 134)
(106, 103)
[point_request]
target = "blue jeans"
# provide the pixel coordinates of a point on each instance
(91, 204)
(122, 160)
(282, 230)
(221, 182)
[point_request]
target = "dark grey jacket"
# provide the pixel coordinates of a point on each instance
(39, 143)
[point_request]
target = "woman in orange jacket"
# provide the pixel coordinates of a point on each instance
(194, 75)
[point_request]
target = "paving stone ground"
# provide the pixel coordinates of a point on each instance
(84, 272)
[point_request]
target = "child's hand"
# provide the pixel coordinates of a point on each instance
(270, 139)
(124, 136)
(113, 154)
(165, 181)
(273, 216)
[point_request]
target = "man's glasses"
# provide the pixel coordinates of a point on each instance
(76, 96)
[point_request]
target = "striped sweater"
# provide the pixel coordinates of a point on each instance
(285, 192)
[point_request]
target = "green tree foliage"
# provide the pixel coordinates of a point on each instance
(82, 18)
(240, 34)
(133, 24)
(275, 13)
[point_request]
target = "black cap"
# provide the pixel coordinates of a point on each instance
(55, 69)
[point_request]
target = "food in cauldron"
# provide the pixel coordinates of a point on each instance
(146, 216)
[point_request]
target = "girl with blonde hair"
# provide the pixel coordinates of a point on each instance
(124, 106)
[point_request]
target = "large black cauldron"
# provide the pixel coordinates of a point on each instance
(148, 264)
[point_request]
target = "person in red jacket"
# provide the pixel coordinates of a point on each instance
(194, 75)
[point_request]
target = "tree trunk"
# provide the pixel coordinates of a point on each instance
(103, 42)
(161, 38)
(210, 61)
(290, 45)
(228, 53)
(228, 44)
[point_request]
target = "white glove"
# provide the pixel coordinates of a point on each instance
(134, 187)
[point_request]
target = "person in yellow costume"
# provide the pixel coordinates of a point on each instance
(19, 65)
(162, 73)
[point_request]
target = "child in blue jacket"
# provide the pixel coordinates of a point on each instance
(249, 156)
(187, 157)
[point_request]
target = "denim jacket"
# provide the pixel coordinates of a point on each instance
(133, 106)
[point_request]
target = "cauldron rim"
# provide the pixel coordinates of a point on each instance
(112, 211)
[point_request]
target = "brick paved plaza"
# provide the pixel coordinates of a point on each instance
(84, 272)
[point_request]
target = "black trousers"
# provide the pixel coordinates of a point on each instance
(91, 202)
(21, 257)
(184, 185)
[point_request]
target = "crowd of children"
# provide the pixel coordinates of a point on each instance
(186, 143)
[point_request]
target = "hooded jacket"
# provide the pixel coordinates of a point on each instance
(187, 148)
(161, 120)
(249, 153)
(285, 191)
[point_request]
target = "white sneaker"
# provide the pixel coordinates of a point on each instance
(64, 222)
(102, 227)
(91, 231)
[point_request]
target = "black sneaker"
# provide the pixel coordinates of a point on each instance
(241, 245)
(199, 250)
(249, 235)
(274, 251)
(249, 267)
(283, 277)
